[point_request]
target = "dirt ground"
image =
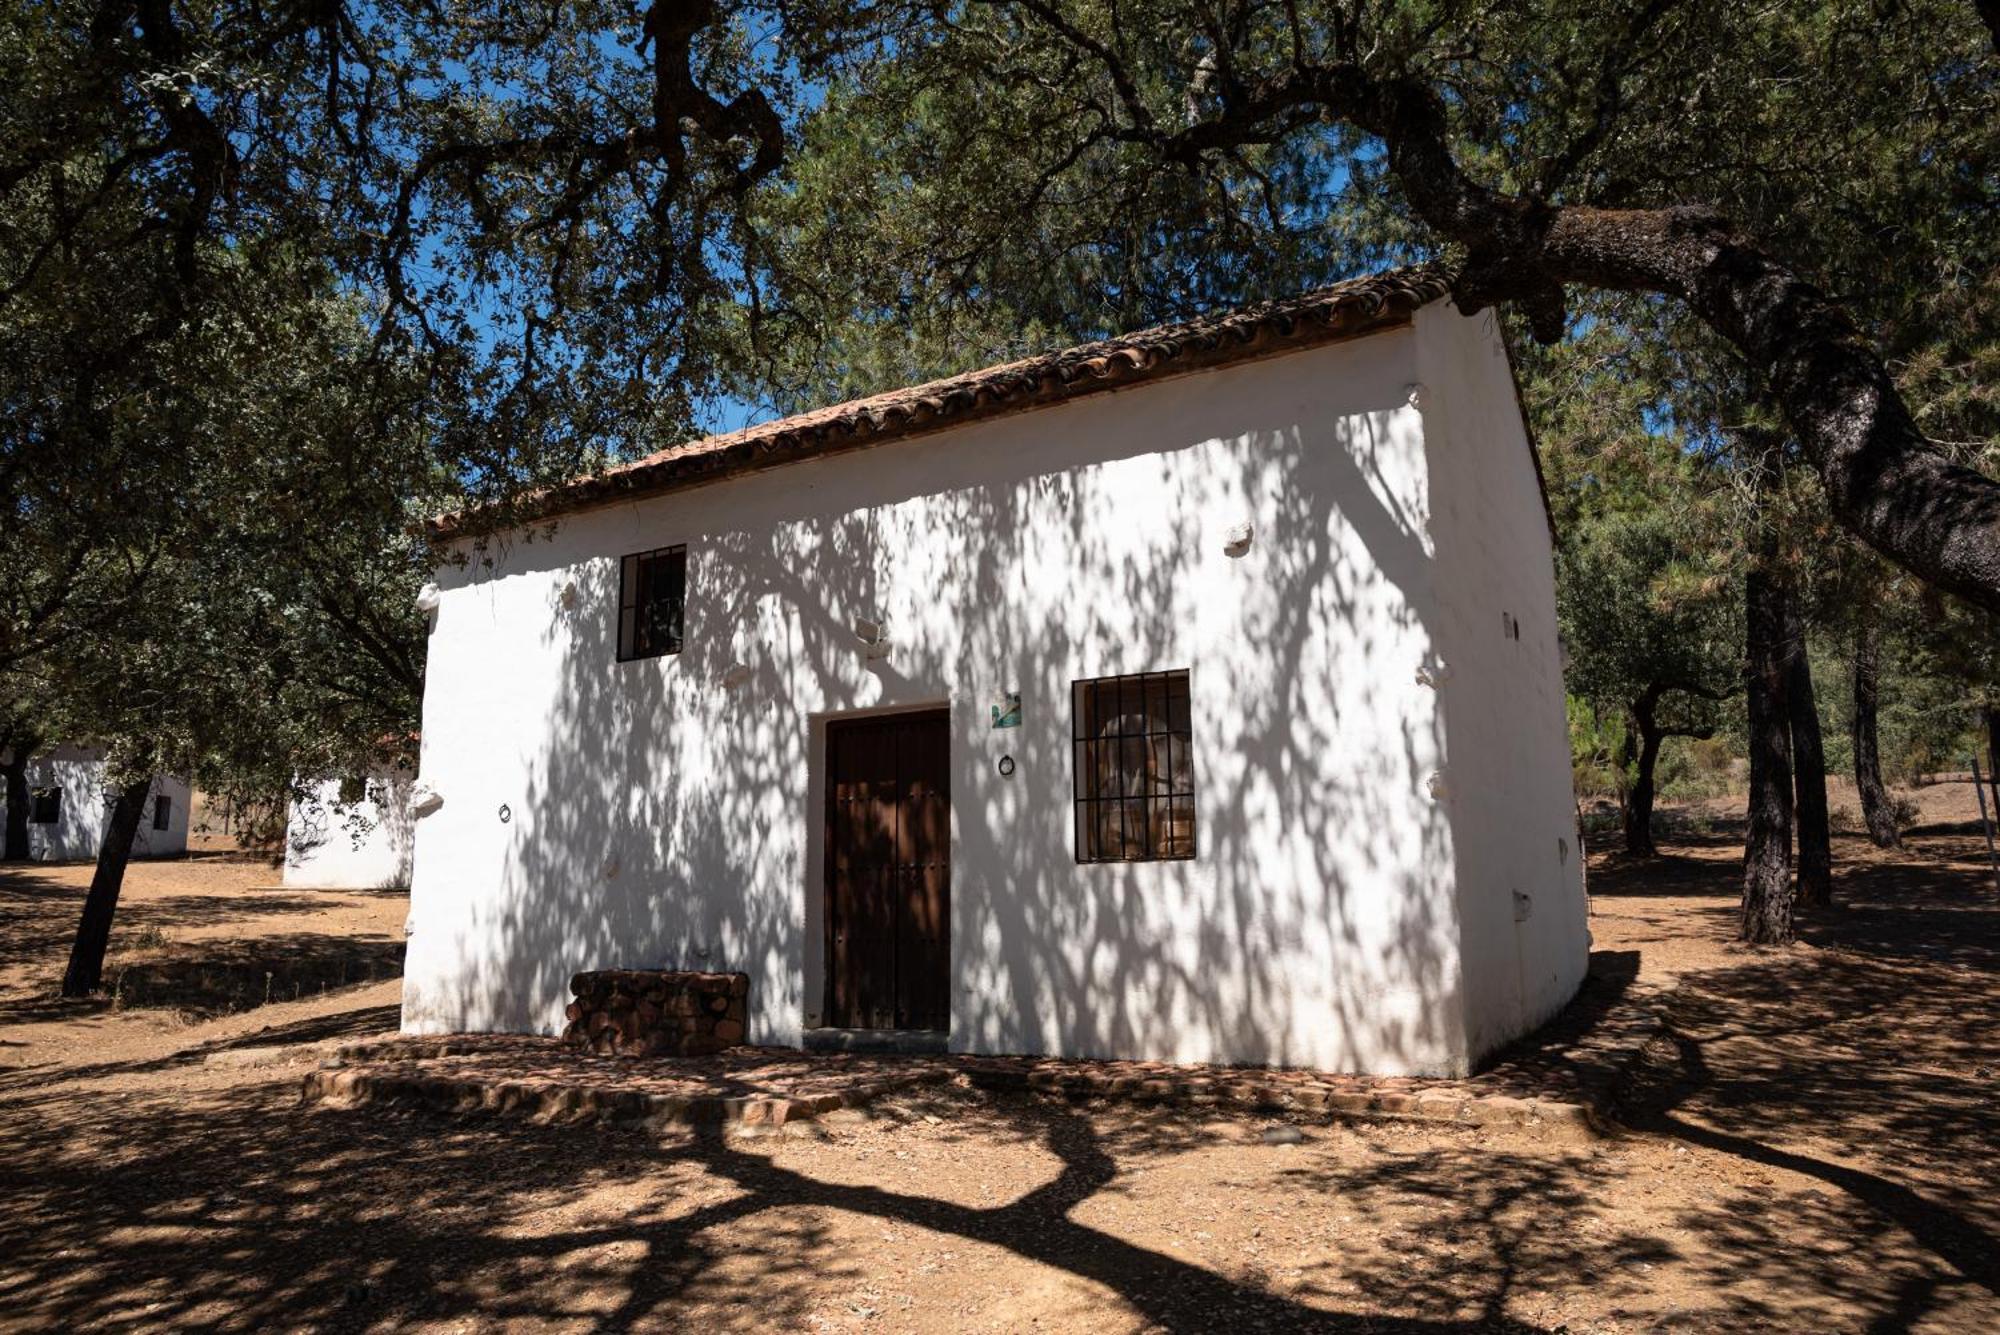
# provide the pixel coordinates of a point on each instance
(1816, 1148)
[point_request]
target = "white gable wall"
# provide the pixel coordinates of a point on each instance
(657, 817)
(1507, 770)
(365, 844)
(78, 833)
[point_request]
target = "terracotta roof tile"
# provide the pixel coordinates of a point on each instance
(1343, 310)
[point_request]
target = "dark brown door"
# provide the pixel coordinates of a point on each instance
(888, 872)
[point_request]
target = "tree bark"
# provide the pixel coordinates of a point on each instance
(93, 931)
(17, 848)
(1645, 725)
(1815, 862)
(1767, 847)
(1990, 715)
(1639, 802)
(1876, 808)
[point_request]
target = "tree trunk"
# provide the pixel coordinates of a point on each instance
(93, 932)
(1808, 767)
(18, 801)
(1876, 808)
(1639, 803)
(1989, 714)
(1767, 847)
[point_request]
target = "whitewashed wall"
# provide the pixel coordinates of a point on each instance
(659, 818)
(365, 844)
(1507, 779)
(85, 813)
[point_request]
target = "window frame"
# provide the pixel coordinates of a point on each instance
(634, 569)
(1174, 728)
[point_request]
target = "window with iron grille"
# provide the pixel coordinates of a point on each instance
(163, 811)
(1134, 758)
(47, 808)
(652, 598)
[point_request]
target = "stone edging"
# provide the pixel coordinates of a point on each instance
(560, 1102)
(1597, 1068)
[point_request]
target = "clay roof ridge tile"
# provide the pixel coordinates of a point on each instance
(1204, 341)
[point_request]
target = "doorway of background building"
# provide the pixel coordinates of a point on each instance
(888, 872)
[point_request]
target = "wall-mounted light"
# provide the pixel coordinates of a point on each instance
(424, 799)
(428, 599)
(1236, 538)
(569, 595)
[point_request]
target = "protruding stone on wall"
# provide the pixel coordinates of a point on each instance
(656, 1012)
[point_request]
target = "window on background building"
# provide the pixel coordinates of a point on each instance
(353, 788)
(163, 811)
(48, 806)
(1134, 758)
(652, 600)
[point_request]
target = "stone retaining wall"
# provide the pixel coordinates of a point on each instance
(656, 1012)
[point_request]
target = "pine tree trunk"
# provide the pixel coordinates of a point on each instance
(19, 799)
(1639, 802)
(1767, 847)
(93, 932)
(1876, 808)
(1815, 863)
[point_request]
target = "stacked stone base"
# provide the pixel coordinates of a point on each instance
(656, 1012)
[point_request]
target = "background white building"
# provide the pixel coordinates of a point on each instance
(351, 833)
(1218, 718)
(70, 803)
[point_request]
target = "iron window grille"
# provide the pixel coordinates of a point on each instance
(47, 806)
(1134, 768)
(652, 603)
(163, 810)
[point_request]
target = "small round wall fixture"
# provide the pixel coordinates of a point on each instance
(1006, 767)
(506, 813)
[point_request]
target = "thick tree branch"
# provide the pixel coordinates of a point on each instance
(1884, 480)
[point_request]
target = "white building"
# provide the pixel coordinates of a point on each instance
(69, 809)
(351, 833)
(856, 702)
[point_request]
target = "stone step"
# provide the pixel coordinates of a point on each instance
(902, 1041)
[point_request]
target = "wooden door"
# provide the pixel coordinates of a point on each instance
(888, 872)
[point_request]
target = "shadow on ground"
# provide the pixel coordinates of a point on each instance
(1814, 1148)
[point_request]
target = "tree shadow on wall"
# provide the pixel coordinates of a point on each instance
(669, 813)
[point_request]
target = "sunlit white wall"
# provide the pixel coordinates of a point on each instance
(366, 844)
(85, 810)
(598, 813)
(1507, 774)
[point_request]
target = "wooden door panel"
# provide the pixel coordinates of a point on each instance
(888, 843)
